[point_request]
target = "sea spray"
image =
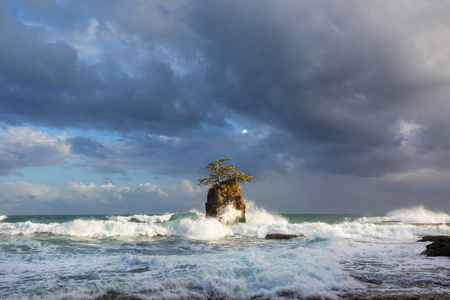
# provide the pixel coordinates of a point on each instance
(418, 214)
(228, 214)
(258, 215)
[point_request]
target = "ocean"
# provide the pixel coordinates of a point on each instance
(187, 256)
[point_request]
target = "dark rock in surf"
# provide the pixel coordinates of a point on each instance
(280, 236)
(439, 247)
(431, 238)
(220, 196)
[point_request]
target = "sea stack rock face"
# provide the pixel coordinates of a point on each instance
(220, 196)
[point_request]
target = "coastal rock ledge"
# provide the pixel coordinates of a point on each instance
(439, 247)
(220, 196)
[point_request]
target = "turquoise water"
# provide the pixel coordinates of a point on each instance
(292, 218)
(325, 218)
(180, 256)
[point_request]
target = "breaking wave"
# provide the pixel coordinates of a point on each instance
(336, 256)
(194, 225)
(142, 218)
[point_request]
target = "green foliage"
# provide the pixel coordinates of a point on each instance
(218, 173)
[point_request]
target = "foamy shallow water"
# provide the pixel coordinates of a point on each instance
(179, 256)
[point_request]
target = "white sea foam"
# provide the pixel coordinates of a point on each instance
(198, 227)
(331, 260)
(258, 215)
(229, 214)
(418, 214)
(3, 217)
(358, 229)
(143, 218)
(258, 272)
(194, 225)
(274, 273)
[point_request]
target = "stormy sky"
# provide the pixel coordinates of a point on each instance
(116, 106)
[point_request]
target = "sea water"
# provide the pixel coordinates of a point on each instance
(188, 256)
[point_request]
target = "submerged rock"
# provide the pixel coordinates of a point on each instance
(221, 196)
(280, 236)
(439, 247)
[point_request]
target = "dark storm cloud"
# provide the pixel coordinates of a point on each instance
(339, 87)
(45, 82)
(85, 146)
(324, 74)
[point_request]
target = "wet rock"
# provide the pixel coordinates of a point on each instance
(431, 238)
(280, 236)
(439, 247)
(220, 196)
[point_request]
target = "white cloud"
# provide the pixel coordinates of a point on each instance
(166, 139)
(77, 197)
(21, 189)
(92, 29)
(187, 188)
(23, 147)
(410, 134)
(106, 193)
(291, 162)
(150, 187)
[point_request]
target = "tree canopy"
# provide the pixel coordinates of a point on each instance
(219, 172)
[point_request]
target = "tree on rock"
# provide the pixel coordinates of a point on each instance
(218, 172)
(225, 189)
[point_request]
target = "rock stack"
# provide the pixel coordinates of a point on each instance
(220, 196)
